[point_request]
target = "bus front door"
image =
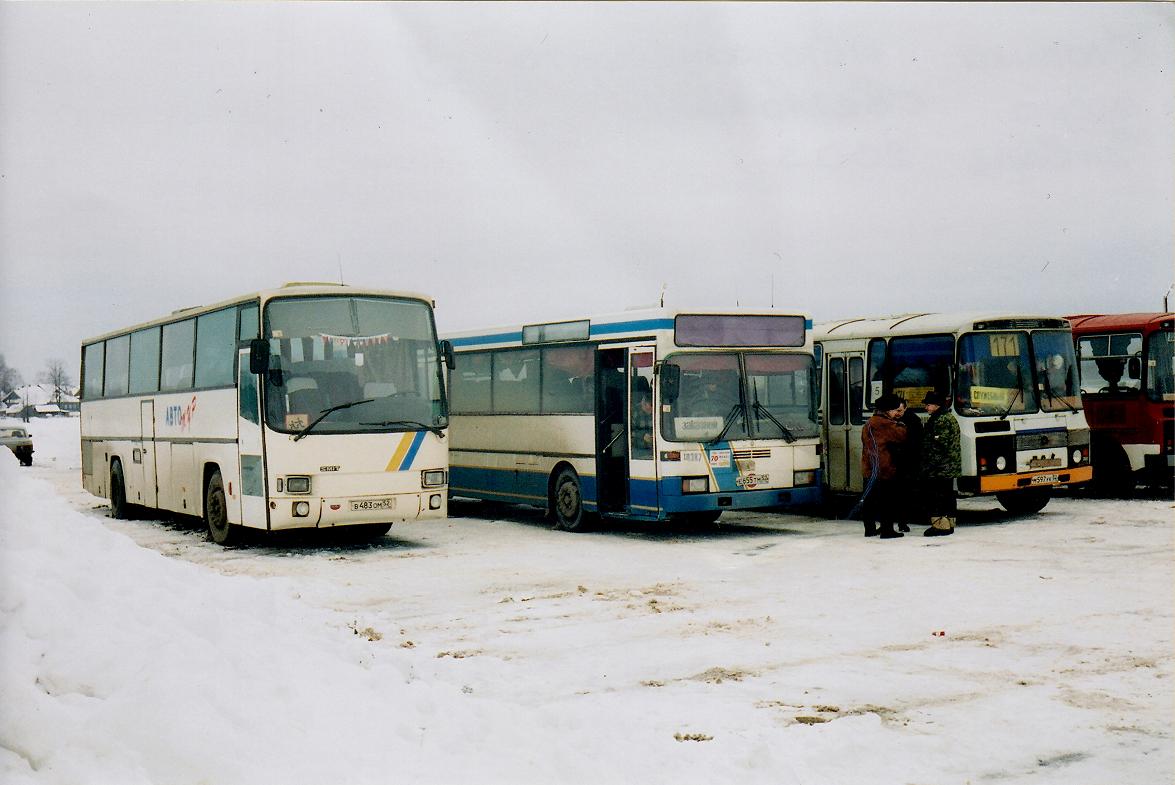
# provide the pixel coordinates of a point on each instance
(844, 402)
(611, 429)
(249, 443)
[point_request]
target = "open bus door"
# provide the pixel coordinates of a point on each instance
(618, 367)
(844, 405)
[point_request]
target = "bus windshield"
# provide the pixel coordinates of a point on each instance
(1056, 370)
(1160, 362)
(375, 356)
(995, 374)
(729, 395)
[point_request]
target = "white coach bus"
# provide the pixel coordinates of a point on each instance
(1012, 379)
(313, 405)
(651, 414)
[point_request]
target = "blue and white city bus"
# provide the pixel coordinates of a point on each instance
(309, 406)
(1012, 380)
(650, 415)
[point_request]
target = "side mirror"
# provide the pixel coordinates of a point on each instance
(258, 355)
(670, 382)
(447, 354)
(1134, 368)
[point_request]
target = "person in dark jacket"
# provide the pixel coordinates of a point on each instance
(941, 464)
(881, 442)
(909, 507)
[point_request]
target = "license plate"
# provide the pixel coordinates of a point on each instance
(1046, 479)
(373, 504)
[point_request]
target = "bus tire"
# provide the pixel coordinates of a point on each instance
(216, 512)
(1112, 475)
(567, 501)
(1028, 502)
(119, 509)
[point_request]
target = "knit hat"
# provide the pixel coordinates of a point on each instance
(932, 397)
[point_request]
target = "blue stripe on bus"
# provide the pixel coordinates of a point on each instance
(510, 485)
(609, 328)
(479, 340)
(639, 325)
(417, 440)
(674, 501)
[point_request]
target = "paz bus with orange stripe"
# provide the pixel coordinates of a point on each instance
(1012, 380)
(314, 405)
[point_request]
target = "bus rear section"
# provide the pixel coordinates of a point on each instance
(1128, 391)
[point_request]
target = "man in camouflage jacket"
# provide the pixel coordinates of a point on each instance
(941, 464)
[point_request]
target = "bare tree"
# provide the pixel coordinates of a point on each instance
(9, 377)
(56, 375)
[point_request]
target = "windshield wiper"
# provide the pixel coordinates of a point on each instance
(729, 421)
(1048, 391)
(325, 412)
(1019, 392)
(417, 423)
(759, 408)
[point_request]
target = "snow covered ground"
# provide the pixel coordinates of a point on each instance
(491, 649)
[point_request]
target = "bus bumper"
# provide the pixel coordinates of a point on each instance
(1016, 482)
(673, 501)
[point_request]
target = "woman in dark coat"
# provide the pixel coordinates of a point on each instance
(941, 464)
(881, 443)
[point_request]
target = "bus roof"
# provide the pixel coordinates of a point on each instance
(1086, 323)
(293, 289)
(639, 321)
(927, 323)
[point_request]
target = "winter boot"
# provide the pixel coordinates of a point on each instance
(903, 527)
(940, 526)
(870, 529)
(887, 532)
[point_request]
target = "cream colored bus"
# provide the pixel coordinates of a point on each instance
(308, 406)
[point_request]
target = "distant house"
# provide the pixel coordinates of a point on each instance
(39, 400)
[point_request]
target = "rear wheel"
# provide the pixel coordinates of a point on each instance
(567, 501)
(118, 506)
(1028, 502)
(216, 512)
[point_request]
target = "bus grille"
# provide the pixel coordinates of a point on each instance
(1041, 440)
(761, 452)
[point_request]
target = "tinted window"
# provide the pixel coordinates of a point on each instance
(471, 383)
(836, 391)
(93, 357)
(856, 390)
(568, 376)
(118, 356)
(919, 364)
(1160, 368)
(876, 372)
(249, 326)
(178, 343)
(145, 361)
(216, 348)
(516, 382)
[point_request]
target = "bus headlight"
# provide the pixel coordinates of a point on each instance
(804, 478)
(297, 485)
(1077, 456)
(432, 478)
(434, 501)
(1001, 463)
(695, 484)
(301, 509)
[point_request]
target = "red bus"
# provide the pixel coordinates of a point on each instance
(1128, 391)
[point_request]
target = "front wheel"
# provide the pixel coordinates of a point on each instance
(567, 502)
(118, 507)
(1027, 502)
(216, 512)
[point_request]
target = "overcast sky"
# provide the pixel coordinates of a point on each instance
(522, 161)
